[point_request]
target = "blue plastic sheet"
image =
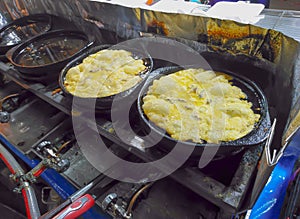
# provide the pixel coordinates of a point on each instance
(269, 203)
(266, 3)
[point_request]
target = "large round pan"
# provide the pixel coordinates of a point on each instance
(46, 54)
(23, 29)
(103, 104)
(255, 137)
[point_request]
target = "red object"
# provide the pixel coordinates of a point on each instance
(7, 164)
(26, 204)
(151, 2)
(39, 171)
(77, 208)
(23, 190)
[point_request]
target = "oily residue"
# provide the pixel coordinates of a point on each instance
(158, 27)
(236, 38)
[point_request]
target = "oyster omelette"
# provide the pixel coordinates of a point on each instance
(104, 73)
(196, 105)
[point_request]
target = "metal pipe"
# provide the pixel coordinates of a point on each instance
(135, 196)
(31, 204)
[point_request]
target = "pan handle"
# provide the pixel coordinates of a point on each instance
(10, 52)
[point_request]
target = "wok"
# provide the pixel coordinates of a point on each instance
(103, 104)
(257, 136)
(45, 55)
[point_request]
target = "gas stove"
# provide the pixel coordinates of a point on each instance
(43, 117)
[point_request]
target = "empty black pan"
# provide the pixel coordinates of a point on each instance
(103, 104)
(23, 29)
(257, 136)
(46, 54)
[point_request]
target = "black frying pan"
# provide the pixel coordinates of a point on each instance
(103, 104)
(46, 54)
(255, 137)
(23, 29)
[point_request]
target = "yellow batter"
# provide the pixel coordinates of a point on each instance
(104, 73)
(196, 105)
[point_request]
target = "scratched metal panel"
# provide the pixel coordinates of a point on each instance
(80, 172)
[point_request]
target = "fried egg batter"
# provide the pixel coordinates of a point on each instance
(104, 73)
(197, 105)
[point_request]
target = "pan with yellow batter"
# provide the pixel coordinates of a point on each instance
(103, 73)
(202, 107)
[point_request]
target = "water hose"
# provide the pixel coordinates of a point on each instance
(31, 204)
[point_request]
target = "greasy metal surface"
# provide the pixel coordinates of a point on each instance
(80, 172)
(294, 118)
(27, 125)
(40, 90)
(175, 202)
(241, 181)
(205, 186)
(294, 121)
(228, 197)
